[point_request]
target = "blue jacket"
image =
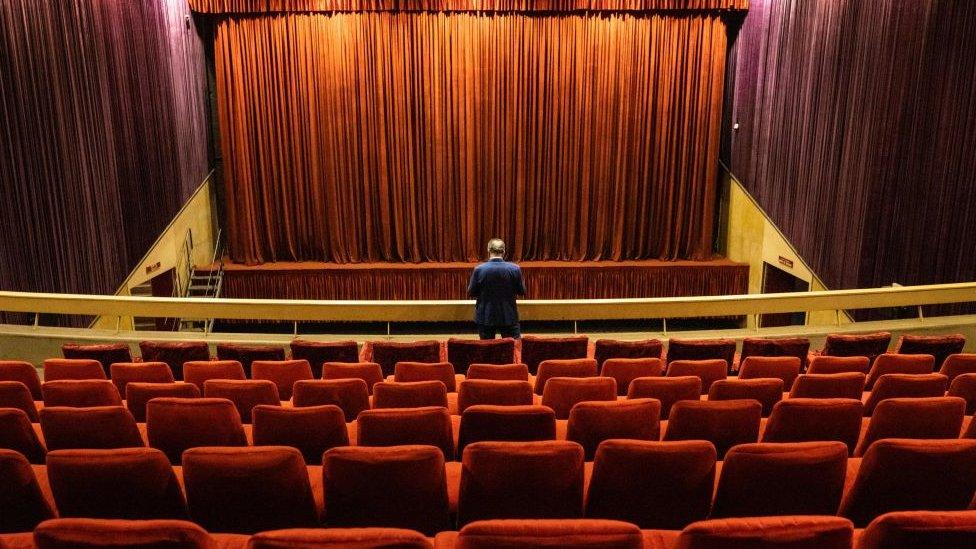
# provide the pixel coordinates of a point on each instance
(494, 284)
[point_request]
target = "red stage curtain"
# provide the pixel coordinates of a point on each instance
(395, 136)
(267, 6)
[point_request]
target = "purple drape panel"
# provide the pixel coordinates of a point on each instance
(858, 134)
(103, 137)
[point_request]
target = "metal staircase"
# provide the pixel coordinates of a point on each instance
(201, 282)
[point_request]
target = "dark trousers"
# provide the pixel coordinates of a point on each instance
(488, 332)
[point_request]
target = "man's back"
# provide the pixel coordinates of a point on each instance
(494, 284)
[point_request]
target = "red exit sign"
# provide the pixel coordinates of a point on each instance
(786, 262)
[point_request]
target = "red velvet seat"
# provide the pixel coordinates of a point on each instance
(175, 424)
(105, 353)
(840, 385)
(590, 423)
(129, 483)
(939, 346)
(339, 538)
(815, 419)
(767, 391)
(659, 485)
(839, 365)
(958, 364)
(577, 367)
(536, 349)
(898, 364)
(370, 372)
(199, 372)
(80, 393)
(24, 372)
(473, 392)
(175, 354)
(57, 369)
(709, 371)
(795, 532)
(505, 423)
(798, 347)
(498, 372)
(124, 373)
(546, 533)
(311, 430)
(701, 349)
(90, 428)
(417, 394)
(906, 386)
(318, 353)
(137, 395)
(909, 475)
(562, 393)
(462, 353)
(84, 533)
(14, 394)
(521, 480)
(942, 529)
(22, 503)
(398, 487)
(388, 353)
(606, 349)
(797, 478)
(245, 394)
(668, 390)
(869, 345)
(350, 395)
(247, 354)
(283, 373)
(248, 490)
(964, 387)
(422, 371)
(17, 434)
(724, 423)
(786, 368)
(625, 370)
(398, 426)
(915, 418)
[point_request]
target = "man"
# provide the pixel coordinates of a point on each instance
(494, 284)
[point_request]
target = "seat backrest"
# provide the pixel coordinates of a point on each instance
(725, 423)
(247, 354)
(89, 533)
(823, 364)
(678, 492)
(562, 393)
(398, 426)
(23, 504)
(175, 424)
(423, 371)
(768, 391)
(945, 529)
(498, 372)
(939, 346)
(16, 433)
(869, 345)
(590, 423)
(102, 427)
(905, 386)
(318, 353)
(786, 368)
(576, 367)
(415, 394)
(462, 353)
(245, 394)
(906, 475)
(505, 423)
(57, 369)
(80, 393)
(798, 347)
(839, 385)
(312, 430)
(358, 484)
(537, 533)
(625, 370)
(964, 386)
(199, 372)
(605, 349)
(175, 353)
(799, 532)
(668, 390)
(816, 419)
(283, 373)
(473, 392)
(958, 364)
(24, 372)
(338, 538)
(925, 418)
(248, 490)
(14, 394)
(350, 395)
(388, 353)
(701, 349)
(536, 349)
(521, 480)
(105, 353)
(709, 371)
(137, 395)
(370, 372)
(797, 478)
(127, 483)
(888, 363)
(123, 373)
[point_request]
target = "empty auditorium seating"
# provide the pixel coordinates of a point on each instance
(668, 390)
(768, 391)
(174, 353)
(794, 532)
(462, 353)
(473, 392)
(898, 364)
(839, 365)
(798, 347)
(939, 346)
(868, 345)
(709, 371)
(105, 353)
(521, 480)
(22, 504)
(625, 370)
(80, 393)
(798, 478)
(248, 490)
(786, 368)
(14, 394)
(562, 393)
(905, 386)
(958, 364)
(416, 394)
(245, 394)
(605, 349)
(577, 367)
(400, 487)
(724, 423)
(128, 483)
(17, 434)
(56, 369)
(423, 371)
(537, 349)
(199, 372)
(943, 529)
(124, 373)
(24, 372)
(312, 430)
(590, 423)
(839, 385)
(95, 428)
(175, 424)
(964, 387)
(909, 475)
(813, 419)
(86, 533)
(247, 354)
(138, 394)
(701, 349)
(541, 533)
(388, 353)
(919, 418)
(370, 372)
(350, 395)
(339, 538)
(505, 423)
(283, 373)
(398, 426)
(318, 353)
